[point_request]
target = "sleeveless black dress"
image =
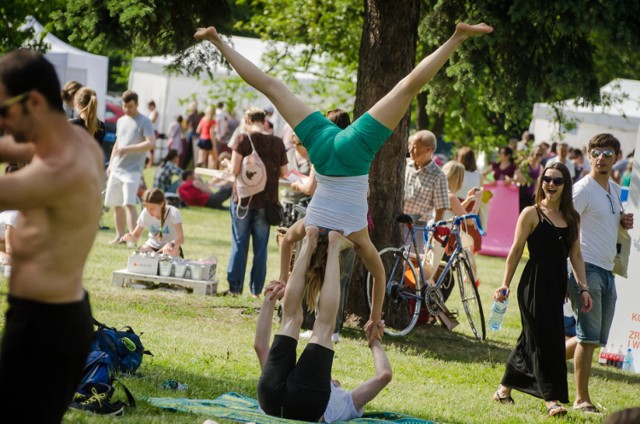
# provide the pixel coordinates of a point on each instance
(537, 365)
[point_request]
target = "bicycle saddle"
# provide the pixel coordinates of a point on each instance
(405, 219)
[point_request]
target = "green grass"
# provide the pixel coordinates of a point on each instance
(206, 342)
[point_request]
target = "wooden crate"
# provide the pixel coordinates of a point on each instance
(123, 278)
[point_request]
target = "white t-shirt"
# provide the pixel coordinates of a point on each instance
(569, 164)
(7, 218)
(168, 230)
(131, 131)
(340, 406)
(599, 219)
(471, 179)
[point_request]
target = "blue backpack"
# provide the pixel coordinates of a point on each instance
(123, 347)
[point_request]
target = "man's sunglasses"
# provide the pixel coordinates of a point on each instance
(556, 180)
(608, 153)
(4, 106)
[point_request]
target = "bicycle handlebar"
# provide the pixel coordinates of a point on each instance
(457, 220)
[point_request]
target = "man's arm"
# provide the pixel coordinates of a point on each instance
(143, 146)
(200, 185)
(13, 152)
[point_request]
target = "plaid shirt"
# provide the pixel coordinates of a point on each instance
(425, 190)
(162, 179)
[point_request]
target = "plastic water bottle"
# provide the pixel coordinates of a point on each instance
(628, 361)
(497, 314)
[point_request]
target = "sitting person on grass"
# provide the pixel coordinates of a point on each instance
(8, 220)
(163, 179)
(304, 390)
(164, 223)
(195, 192)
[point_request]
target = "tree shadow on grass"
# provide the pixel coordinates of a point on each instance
(432, 341)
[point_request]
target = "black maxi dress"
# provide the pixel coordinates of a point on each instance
(537, 365)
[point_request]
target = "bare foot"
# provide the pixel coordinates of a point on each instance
(337, 240)
(209, 33)
(468, 31)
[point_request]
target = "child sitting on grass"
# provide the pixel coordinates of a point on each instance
(164, 223)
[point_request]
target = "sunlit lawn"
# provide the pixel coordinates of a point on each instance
(206, 343)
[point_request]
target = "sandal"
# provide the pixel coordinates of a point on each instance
(587, 408)
(556, 410)
(503, 399)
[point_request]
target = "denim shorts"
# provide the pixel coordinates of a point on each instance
(593, 326)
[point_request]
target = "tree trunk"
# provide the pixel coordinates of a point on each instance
(387, 54)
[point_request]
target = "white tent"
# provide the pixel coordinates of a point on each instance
(151, 82)
(621, 118)
(75, 64)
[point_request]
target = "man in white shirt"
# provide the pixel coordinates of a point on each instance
(135, 136)
(597, 200)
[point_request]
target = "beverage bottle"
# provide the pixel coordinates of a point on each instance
(619, 357)
(497, 314)
(610, 355)
(628, 361)
(602, 356)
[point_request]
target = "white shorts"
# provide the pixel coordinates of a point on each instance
(122, 189)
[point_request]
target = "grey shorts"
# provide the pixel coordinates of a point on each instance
(593, 326)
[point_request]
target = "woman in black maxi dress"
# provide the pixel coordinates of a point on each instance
(537, 365)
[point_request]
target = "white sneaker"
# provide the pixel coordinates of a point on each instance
(306, 334)
(335, 337)
(131, 245)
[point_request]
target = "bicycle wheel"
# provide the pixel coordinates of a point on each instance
(470, 296)
(403, 292)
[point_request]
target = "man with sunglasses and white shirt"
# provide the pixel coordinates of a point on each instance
(597, 199)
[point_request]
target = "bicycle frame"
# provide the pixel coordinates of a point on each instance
(426, 229)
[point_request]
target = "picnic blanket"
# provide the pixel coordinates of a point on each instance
(237, 407)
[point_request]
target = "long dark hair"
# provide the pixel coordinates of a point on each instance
(315, 274)
(171, 155)
(566, 201)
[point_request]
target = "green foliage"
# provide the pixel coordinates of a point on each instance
(140, 26)
(13, 14)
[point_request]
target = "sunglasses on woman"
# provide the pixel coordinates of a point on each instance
(608, 153)
(556, 180)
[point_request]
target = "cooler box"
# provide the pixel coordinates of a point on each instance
(210, 265)
(143, 264)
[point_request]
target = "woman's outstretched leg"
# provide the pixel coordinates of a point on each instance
(329, 299)
(391, 108)
(292, 301)
(292, 109)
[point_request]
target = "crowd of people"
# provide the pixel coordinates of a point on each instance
(568, 211)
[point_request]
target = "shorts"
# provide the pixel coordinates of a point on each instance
(205, 144)
(593, 326)
(122, 189)
(342, 153)
(293, 390)
(44, 350)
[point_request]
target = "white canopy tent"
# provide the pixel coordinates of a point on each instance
(150, 81)
(621, 118)
(74, 64)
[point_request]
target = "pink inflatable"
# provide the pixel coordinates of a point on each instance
(502, 216)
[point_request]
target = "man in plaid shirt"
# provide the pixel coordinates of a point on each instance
(425, 185)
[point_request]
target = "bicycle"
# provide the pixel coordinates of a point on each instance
(406, 290)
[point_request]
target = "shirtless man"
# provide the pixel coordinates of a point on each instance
(48, 327)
